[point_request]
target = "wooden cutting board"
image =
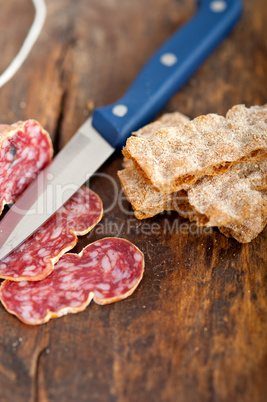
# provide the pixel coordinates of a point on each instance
(196, 328)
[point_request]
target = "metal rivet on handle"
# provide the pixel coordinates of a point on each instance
(120, 110)
(168, 59)
(218, 6)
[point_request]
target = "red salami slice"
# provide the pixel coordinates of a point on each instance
(25, 149)
(35, 258)
(105, 271)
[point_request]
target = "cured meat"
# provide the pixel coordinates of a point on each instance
(35, 258)
(106, 271)
(25, 149)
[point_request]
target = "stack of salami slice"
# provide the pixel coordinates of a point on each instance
(40, 282)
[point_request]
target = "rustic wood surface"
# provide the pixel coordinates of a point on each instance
(196, 328)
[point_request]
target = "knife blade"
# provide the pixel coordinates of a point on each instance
(95, 141)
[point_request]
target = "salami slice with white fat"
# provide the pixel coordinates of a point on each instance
(35, 258)
(106, 271)
(25, 149)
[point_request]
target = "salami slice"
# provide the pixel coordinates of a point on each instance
(35, 258)
(106, 271)
(25, 149)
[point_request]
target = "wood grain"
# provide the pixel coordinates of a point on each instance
(195, 329)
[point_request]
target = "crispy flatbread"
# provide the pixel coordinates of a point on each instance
(247, 231)
(237, 195)
(166, 120)
(145, 201)
(174, 158)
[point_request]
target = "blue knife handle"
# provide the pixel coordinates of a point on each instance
(168, 69)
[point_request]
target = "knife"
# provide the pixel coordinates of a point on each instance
(97, 138)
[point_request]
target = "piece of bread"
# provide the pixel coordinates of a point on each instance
(174, 158)
(246, 231)
(166, 120)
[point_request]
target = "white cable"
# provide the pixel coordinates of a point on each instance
(37, 25)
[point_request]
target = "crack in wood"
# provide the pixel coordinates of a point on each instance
(35, 366)
(65, 73)
(36, 381)
(58, 129)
